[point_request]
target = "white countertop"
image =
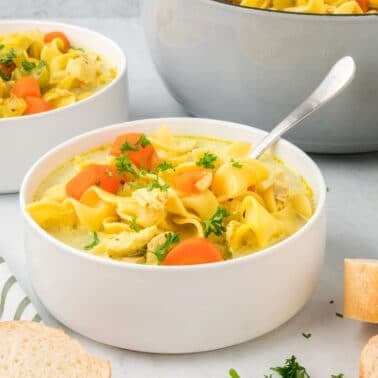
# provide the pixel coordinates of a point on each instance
(335, 344)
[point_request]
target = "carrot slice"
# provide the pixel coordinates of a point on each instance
(142, 154)
(7, 69)
(36, 105)
(104, 176)
(57, 34)
(193, 251)
(27, 86)
(363, 5)
(186, 181)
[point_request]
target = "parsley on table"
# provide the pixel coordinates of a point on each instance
(164, 166)
(28, 66)
(233, 373)
(215, 223)
(337, 376)
(339, 315)
(171, 238)
(124, 165)
(236, 164)
(133, 224)
(207, 160)
(306, 335)
(291, 369)
(94, 242)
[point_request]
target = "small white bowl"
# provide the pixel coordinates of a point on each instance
(24, 139)
(177, 309)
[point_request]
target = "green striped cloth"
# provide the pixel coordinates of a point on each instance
(14, 304)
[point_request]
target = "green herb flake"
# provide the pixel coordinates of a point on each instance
(236, 164)
(1, 46)
(215, 225)
(171, 238)
(133, 224)
(291, 369)
(41, 64)
(156, 184)
(28, 66)
(93, 243)
(8, 57)
(164, 166)
(143, 141)
(128, 147)
(77, 48)
(207, 160)
(339, 315)
(306, 335)
(337, 376)
(124, 165)
(233, 373)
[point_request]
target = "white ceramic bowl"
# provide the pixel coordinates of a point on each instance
(254, 66)
(183, 308)
(24, 139)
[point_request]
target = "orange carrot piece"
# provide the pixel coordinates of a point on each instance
(27, 86)
(57, 34)
(7, 68)
(104, 176)
(142, 157)
(363, 5)
(36, 105)
(186, 181)
(193, 251)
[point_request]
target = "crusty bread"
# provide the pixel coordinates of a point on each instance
(369, 359)
(33, 350)
(361, 289)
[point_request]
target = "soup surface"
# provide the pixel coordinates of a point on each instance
(172, 200)
(40, 72)
(312, 6)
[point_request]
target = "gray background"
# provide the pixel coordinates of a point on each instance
(69, 8)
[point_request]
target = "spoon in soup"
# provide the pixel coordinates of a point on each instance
(337, 79)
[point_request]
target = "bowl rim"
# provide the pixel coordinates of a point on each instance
(75, 28)
(275, 248)
(245, 9)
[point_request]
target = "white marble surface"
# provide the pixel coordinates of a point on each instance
(352, 222)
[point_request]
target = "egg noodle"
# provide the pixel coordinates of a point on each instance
(64, 73)
(159, 191)
(313, 6)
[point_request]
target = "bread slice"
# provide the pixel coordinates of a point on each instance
(361, 289)
(33, 350)
(369, 359)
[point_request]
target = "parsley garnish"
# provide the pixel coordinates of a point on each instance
(155, 184)
(133, 225)
(164, 166)
(291, 369)
(8, 57)
(76, 48)
(207, 160)
(28, 66)
(236, 164)
(339, 315)
(233, 373)
(171, 238)
(306, 335)
(215, 223)
(1, 46)
(337, 376)
(128, 147)
(94, 242)
(124, 165)
(143, 141)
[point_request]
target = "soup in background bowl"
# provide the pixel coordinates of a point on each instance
(220, 303)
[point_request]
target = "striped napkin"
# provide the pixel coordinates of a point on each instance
(14, 304)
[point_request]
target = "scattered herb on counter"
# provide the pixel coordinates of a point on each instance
(291, 369)
(215, 223)
(331, 301)
(171, 238)
(94, 242)
(207, 160)
(164, 166)
(339, 315)
(337, 376)
(133, 224)
(236, 164)
(233, 373)
(306, 335)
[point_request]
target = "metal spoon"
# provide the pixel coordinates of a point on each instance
(338, 78)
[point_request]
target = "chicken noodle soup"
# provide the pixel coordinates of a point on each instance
(39, 72)
(312, 6)
(172, 200)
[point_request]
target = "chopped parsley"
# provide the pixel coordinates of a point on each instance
(236, 164)
(339, 315)
(94, 242)
(156, 184)
(133, 224)
(124, 165)
(171, 238)
(28, 66)
(233, 373)
(306, 335)
(7, 65)
(8, 57)
(207, 160)
(291, 369)
(128, 147)
(143, 141)
(77, 48)
(1, 46)
(337, 376)
(215, 225)
(164, 166)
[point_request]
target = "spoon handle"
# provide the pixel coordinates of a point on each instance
(340, 75)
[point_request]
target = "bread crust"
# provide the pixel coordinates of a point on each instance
(361, 289)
